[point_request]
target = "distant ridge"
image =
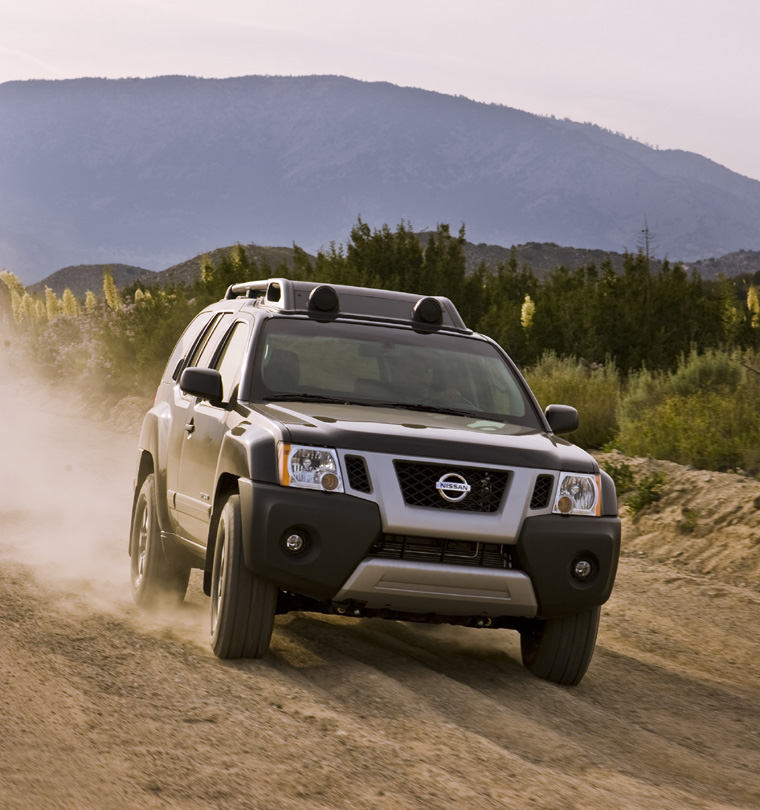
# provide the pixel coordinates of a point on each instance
(739, 263)
(149, 171)
(189, 271)
(540, 257)
(83, 277)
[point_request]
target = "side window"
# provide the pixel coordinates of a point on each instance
(231, 359)
(185, 344)
(200, 345)
(204, 355)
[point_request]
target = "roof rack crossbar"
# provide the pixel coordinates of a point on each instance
(275, 290)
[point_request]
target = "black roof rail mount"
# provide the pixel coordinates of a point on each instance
(428, 310)
(324, 299)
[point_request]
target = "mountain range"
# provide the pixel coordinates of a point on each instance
(149, 172)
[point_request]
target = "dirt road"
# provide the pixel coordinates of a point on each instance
(104, 706)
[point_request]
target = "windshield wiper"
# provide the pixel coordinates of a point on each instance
(310, 398)
(409, 406)
(420, 406)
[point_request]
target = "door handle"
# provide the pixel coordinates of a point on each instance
(190, 426)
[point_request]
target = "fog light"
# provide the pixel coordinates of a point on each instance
(330, 481)
(582, 569)
(564, 505)
(295, 543)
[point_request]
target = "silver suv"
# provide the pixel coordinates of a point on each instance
(362, 452)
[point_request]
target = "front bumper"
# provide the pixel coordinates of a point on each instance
(546, 550)
(336, 563)
(405, 586)
(340, 531)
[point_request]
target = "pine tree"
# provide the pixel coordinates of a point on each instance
(730, 316)
(207, 270)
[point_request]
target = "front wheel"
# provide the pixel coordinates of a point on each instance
(157, 575)
(242, 604)
(560, 649)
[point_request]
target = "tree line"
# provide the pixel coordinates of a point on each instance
(591, 334)
(649, 315)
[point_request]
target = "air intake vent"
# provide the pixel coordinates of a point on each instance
(439, 550)
(358, 478)
(542, 492)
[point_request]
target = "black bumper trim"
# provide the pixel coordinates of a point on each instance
(546, 550)
(339, 529)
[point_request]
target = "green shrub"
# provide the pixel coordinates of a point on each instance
(593, 389)
(711, 371)
(621, 474)
(648, 491)
(705, 414)
(689, 520)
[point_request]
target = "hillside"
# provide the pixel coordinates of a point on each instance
(188, 271)
(540, 257)
(148, 171)
(81, 278)
(738, 263)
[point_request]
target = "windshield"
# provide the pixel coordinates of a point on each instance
(301, 360)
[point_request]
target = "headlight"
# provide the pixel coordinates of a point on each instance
(309, 467)
(578, 494)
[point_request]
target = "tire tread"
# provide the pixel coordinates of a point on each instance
(560, 649)
(244, 626)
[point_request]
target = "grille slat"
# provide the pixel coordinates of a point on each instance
(440, 550)
(418, 486)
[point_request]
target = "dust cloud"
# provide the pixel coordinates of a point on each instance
(66, 484)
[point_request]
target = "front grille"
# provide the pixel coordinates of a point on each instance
(418, 486)
(438, 550)
(358, 478)
(541, 492)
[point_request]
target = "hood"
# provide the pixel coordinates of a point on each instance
(431, 435)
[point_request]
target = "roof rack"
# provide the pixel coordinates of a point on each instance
(271, 289)
(325, 301)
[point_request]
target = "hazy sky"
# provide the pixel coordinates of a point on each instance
(677, 74)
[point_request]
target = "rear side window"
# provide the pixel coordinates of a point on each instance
(185, 345)
(231, 359)
(204, 353)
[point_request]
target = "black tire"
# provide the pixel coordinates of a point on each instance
(560, 649)
(157, 575)
(242, 604)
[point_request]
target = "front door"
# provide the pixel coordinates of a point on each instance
(204, 430)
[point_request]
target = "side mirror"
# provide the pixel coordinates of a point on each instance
(205, 383)
(561, 418)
